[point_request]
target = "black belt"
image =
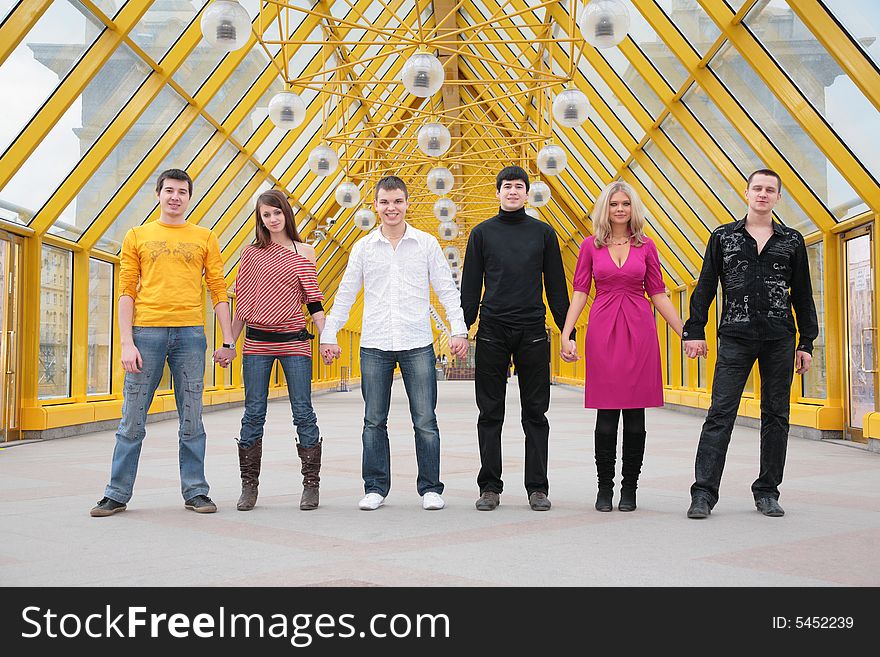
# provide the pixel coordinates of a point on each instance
(275, 336)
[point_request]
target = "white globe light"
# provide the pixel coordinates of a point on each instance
(445, 209)
(348, 195)
(447, 230)
(570, 108)
(453, 256)
(532, 212)
(456, 276)
(365, 219)
(323, 161)
(552, 159)
(440, 180)
(226, 25)
(434, 139)
(539, 194)
(604, 23)
(287, 110)
(422, 75)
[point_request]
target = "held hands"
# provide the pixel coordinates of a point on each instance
(224, 356)
(569, 351)
(459, 346)
(802, 362)
(330, 352)
(695, 348)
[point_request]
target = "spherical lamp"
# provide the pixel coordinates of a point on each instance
(440, 180)
(422, 75)
(447, 230)
(445, 209)
(348, 195)
(287, 110)
(226, 25)
(604, 23)
(323, 161)
(570, 108)
(453, 256)
(365, 219)
(533, 212)
(552, 159)
(434, 139)
(539, 194)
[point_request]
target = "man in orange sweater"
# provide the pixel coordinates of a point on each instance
(162, 319)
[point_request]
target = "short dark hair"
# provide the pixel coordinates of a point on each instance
(765, 172)
(511, 173)
(390, 184)
(174, 174)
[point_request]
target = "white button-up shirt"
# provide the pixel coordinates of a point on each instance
(397, 294)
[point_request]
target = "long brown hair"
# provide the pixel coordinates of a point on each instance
(276, 199)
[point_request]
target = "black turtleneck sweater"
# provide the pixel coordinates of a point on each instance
(514, 257)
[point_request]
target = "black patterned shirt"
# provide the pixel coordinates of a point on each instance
(759, 290)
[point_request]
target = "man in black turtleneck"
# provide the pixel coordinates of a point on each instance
(514, 257)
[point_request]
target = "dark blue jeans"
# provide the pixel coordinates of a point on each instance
(736, 358)
(420, 380)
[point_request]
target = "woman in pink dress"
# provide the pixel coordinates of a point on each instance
(621, 346)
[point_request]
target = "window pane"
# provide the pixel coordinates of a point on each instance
(694, 23)
(861, 18)
(814, 381)
(100, 325)
(832, 93)
(56, 282)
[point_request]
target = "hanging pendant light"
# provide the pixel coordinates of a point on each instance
(287, 110)
(453, 256)
(552, 160)
(447, 230)
(445, 209)
(604, 23)
(226, 25)
(539, 194)
(422, 75)
(348, 195)
(440, 180)
(323, 160)
(570, 108)
(365, 219)
(434, 139)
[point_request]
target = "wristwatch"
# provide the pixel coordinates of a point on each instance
(229, 345)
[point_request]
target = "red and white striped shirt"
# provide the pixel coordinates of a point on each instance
(271, 287)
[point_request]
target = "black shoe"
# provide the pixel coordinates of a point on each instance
(488, 501)
(769, 507)
(539, 501)
(106, 507)
(699, 508)
(627, 499)
(201, 504)
(604, 500)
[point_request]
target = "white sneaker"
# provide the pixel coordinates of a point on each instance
(371, 502)
(432, 502)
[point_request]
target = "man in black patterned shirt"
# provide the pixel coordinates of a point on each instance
(764, 272)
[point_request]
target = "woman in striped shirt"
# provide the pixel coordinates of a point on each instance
(276, 276)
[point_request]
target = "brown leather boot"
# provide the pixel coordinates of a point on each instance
(311, 468)
(249, 460)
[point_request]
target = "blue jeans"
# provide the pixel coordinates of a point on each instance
(420, 381)
(256, 370)
(184, 349)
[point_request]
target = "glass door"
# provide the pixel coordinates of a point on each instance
(861, 329)
(10, 253)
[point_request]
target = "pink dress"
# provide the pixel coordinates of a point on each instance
(621, 350)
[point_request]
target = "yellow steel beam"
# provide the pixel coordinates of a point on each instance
(18, 24)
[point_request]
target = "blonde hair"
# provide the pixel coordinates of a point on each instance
(601, 222)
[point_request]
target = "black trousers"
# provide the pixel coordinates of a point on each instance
(735, 360)
(530, 349)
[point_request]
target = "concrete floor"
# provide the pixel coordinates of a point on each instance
(828, 537)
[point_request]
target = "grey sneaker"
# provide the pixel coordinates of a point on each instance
(201, 504)
(488, 501)
(539, 501)
(106, 507)
(769, 507)
(699, 509)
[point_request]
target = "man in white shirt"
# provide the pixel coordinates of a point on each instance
(397, 265)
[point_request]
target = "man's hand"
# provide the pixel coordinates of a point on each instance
(695, 348)
(802, 362)
(569, 350)
(223, 356)
(459, 346)
(330, 352)
(131, 358)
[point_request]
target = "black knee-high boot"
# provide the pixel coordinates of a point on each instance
(606, 456)
(633, 455)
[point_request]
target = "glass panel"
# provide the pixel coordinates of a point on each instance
(861, 18)
(244, 216)
(860, 329)
(162, 25)
(832, 93)
(144, 201)
(814, 381)
(100, 325)
(690, 19)
(778, 124)
(56, 283)
(608, 95)
(708, 172)
(43, 58)
(228, 195)
(742, 155)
